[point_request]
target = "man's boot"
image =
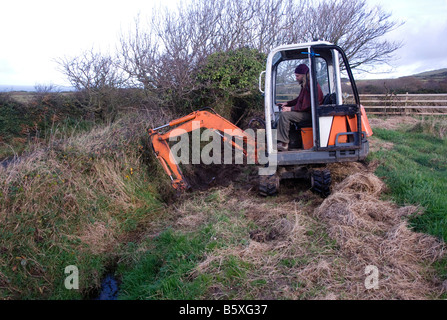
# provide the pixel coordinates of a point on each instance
(281, 146)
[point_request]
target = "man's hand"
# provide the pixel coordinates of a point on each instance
(283, 107)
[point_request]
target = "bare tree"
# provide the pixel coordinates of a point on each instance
(163, 55)
(180, 40)
(139, 54)
(353, 26)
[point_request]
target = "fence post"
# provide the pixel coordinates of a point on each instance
(386, 103)
(406, 101)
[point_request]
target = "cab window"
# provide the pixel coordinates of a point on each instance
(286, 87)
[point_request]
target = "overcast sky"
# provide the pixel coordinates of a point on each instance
(424, 36)
(34, 33)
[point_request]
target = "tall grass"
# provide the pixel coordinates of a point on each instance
(436, 126)
(69, 201)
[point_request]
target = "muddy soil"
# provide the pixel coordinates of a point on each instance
(202, 177)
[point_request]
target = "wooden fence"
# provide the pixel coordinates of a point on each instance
(405, 104)
(395, 104)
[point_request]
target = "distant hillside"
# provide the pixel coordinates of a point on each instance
(434, 81)
(437, 74)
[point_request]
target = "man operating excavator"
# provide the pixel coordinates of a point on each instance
(297, 110)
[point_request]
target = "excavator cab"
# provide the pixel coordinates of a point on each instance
(339, 127)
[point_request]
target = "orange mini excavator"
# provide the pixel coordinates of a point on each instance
(338, 133)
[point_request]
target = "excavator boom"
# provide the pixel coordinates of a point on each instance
(193, 121)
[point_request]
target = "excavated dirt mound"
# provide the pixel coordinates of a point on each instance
(202, 177)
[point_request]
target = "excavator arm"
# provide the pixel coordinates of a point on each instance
(195, 120)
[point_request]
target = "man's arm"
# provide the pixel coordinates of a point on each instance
(293, 102)
(287, 106)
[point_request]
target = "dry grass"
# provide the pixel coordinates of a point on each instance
(278, 233)
(99, 237)
(79, 166)
(436, 126)
(80, 194)
(370, 231)
(393, 122)
(433, 125)
(319, 250)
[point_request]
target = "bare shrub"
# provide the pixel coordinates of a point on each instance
(97, 76)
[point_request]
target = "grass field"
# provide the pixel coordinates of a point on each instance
(227, 244)
(95, 198)
(415, 170)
